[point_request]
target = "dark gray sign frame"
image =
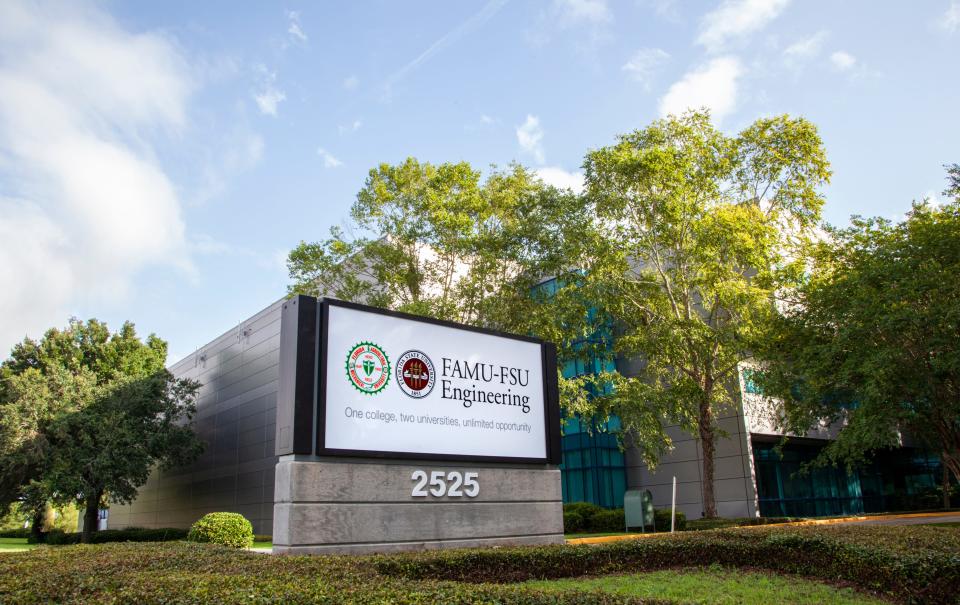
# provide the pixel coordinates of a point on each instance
(301, 404)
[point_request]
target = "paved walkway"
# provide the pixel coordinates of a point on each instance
(910, 519)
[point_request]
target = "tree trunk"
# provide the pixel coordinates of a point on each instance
(36, 526)
(946, 485)
(705, 421)
(91, 516)
(951, 466)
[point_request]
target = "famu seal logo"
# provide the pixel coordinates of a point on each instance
(368, 368)
(415, 374)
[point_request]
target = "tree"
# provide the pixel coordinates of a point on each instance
(84, 415)
(953, 181)
(32, 401)
(108, 448)
(435, 240)
(876, 327)
(693, 236)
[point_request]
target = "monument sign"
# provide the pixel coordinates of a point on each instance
(398, 432)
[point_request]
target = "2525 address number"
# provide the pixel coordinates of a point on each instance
(453, 484)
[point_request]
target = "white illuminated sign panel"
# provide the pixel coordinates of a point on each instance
(395, 385)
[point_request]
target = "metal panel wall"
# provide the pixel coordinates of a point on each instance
(734, 485)
(236, 418)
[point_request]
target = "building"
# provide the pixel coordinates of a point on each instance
(236, 417)
(754, 474)
(239, 373)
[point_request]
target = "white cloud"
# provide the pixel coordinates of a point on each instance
(268, 99)
(576, 12)
(934, 198)
(295, 30)
(351, 127)
(713, 85)
(590, 18)
(351, 83)
(561, 179)
(950, 22)
(736, 19)
(85, 204)
(267, 96)
(644, 64)
(530, 137)
(485, 122)
(806, 48)
(842, 60)
(667, 9)
(329, 161)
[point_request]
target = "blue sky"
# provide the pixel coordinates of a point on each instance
(158, 160)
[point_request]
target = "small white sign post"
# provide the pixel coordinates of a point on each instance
(673, 505)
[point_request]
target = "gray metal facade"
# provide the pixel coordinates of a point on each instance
(734, 482)
(236, 418)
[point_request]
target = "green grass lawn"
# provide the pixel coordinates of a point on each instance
(947, 524)
(715, 585)
(262, 545)
(15, 545)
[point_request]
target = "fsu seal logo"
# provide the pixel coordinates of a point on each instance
(415, 374)
(368, 368)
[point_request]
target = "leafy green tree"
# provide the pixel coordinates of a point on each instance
(953, 180)
(438, 241)
(32, 402)
(108, 448)
(873, 338)
(693, 237)
(85, 414)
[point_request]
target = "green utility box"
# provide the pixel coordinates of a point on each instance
(638, 509)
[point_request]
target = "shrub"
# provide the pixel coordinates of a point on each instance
(914, 565)
(718, 523)
(584, 509)
(589, 517)
(661, 520)
(608, 520)
(187, 573)
(572, 522)
(23, 532)
(229, 529)
(129, 534)
(594, 519)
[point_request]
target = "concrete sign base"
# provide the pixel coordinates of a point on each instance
(353, 506)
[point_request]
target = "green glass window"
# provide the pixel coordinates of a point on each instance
(896, 479)
(593, 467)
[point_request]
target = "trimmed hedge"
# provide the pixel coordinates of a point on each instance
(573, 522)
(228, 529)
(130, 534)
(874, 558)
(719, 523)
(584, 517)
(185, 573)
(661, 520)
(913, 564)
(15, 533)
